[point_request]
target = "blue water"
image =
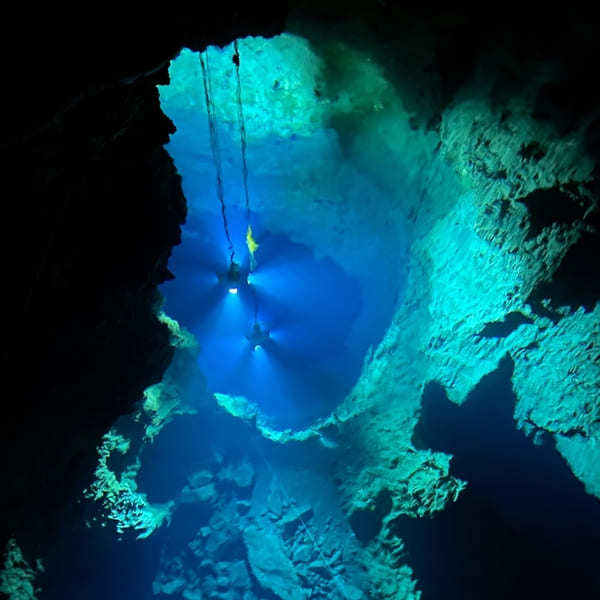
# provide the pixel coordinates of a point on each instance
(308, 306)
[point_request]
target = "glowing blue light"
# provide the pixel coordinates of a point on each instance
(257, 347)
(256, 278)
(233, 290)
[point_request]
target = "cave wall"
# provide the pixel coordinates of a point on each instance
(94, 209)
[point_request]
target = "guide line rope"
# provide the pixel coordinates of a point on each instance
(214, 146)
(243, 136)
(250, 242)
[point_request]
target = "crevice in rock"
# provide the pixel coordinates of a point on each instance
(501, 329)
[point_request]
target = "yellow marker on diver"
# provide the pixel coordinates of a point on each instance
(252, 247)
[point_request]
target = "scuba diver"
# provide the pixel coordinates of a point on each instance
(233, 277)
(258, 336)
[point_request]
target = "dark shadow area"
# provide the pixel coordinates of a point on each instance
(576, 282)
(549, 206)
(505, 327)
(533, 151)
(185, 523)
(563, 103)
(524, 527)
(93, 564)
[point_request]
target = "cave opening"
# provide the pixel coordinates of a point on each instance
(290, 328)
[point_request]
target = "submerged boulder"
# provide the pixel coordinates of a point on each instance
(270, 564)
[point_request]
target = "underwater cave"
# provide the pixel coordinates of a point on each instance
(312, 298)
(331, 239)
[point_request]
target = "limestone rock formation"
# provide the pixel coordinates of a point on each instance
(489, 132)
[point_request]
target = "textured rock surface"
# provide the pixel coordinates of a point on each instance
(289, 539)
(95, 206)
(503, 196)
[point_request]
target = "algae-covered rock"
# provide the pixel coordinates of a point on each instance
(238, 406)
(17, 577)
(124, 503)
(242, 408)
(169, 398)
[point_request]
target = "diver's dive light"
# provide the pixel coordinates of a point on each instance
(233, 277)
(257, 336)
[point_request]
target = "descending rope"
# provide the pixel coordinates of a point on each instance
(214, 146)
(250, 241)
(243, 138)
